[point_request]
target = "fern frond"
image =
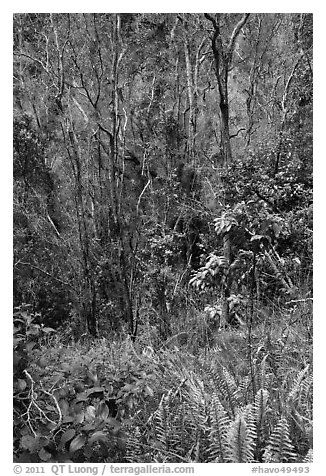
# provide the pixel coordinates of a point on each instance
(240, 441)
(162, 423)
(299, 408)
(243, 390)
(193, 433)
(197, 403)
(181, 435)
(134, 450)
(260, 411)
(305, 397)
(263, 374)
(280, 448)
(230, 388)
(296, 387)
(224, 384)
(309, 458)
(170, 428)
(219, 424)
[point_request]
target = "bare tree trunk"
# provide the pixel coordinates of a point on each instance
(88, 294)
(117, 210)
(193, 63)
(285, 111)
(190, 89)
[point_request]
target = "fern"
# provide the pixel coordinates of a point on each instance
(134, 449)
(162, 420)
(305, 397)
(225, 385)
(243, 390)
(177, 426)
(280, 448)
(197, 402)
(211, 420)
(260, 411)
(197, 417)
(309, 458)
(181, 432)
(219, 423)
(263, 374)
(240, 441)
(298, 406)
(300, 395)
(297, 385)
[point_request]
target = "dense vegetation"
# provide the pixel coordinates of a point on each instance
(163, 237)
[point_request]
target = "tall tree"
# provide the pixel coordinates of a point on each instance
(223, 55)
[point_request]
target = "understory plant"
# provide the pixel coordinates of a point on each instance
(117, 401)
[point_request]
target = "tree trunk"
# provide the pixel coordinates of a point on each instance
(223, 61)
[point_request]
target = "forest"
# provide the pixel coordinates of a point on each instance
(162, 237)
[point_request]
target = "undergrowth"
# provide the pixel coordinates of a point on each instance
(117, 401)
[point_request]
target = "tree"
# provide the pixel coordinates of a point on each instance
(223, 63)
(150, 125)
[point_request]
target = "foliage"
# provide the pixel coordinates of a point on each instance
(163, 190)
(113, 401)
(209, 421)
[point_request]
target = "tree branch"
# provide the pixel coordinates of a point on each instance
(210, 17)
(46, 273)
(235, 135)
(236, 32)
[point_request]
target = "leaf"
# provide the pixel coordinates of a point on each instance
(79, 417)
(98, 436)
(30, 346)
(92, 390)
(64, 406)
(256, 238)
(55, 379)
(47, 330)
(51, 425)
(67, 419)
(77, 443)
(149, 391)
(67, 436)
(44, 455)
(89, 427)
(81, 397)
(28, 442)
(113, 423)
(102, 411)
(21, 384)
(90, 413)
(277, 229)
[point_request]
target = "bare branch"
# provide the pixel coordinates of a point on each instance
(289, 81)
(46, 273)
(34, 59)
(53, 225)
(235, 135)
(210, 17)
(142, 193)
(236, 32)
